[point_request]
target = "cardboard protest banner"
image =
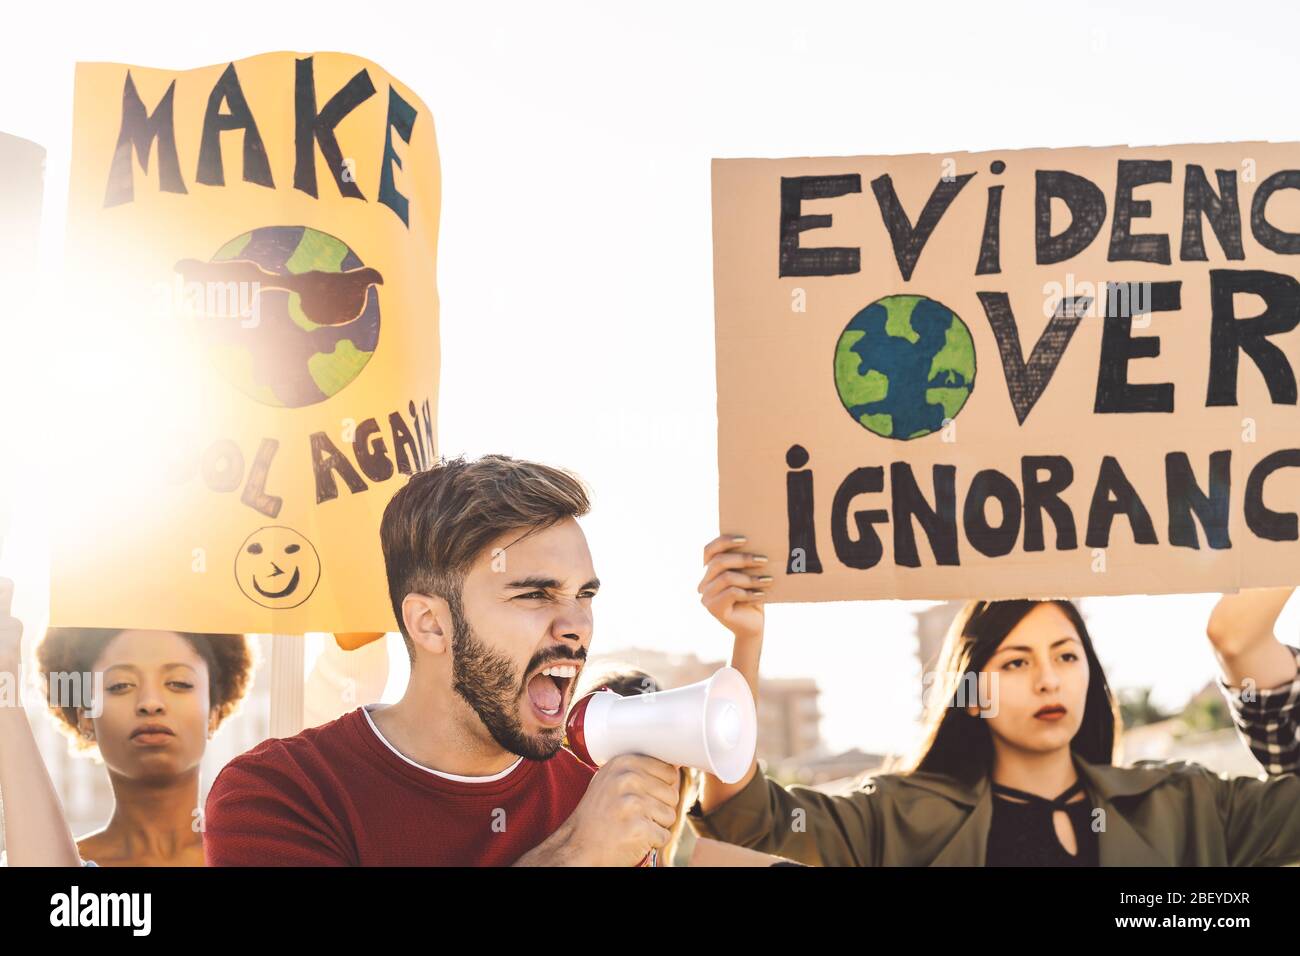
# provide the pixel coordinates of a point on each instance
(252, 339)
(1010, 374)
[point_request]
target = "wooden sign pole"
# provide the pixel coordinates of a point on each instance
(287, 660)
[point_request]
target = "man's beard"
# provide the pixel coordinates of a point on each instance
(487, 682)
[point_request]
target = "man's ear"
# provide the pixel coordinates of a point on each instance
(428, 621)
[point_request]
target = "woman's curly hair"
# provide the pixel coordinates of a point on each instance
(231, 659)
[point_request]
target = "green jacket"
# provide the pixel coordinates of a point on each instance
(1153, 814)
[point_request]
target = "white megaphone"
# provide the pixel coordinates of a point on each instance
(710, 725)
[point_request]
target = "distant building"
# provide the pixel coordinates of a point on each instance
(1219, 750)
(669, 670)
(789, 721)
(831, 773)
(931, 628)
(1202, 733)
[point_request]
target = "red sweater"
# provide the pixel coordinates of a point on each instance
(338, 795)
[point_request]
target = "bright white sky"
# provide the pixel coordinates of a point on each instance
(575, 260)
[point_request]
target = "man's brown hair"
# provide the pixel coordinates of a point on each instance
(440, 521)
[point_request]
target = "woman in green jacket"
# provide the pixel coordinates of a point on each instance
(1016, 764)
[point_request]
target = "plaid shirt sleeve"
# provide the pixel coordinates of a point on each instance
(1268, 721)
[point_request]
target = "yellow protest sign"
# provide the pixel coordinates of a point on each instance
(1011, 374)
(251, 342)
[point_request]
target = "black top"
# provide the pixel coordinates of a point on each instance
(1023, 834)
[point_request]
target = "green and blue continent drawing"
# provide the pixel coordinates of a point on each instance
(904, 365)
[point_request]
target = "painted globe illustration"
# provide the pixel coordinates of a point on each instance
(903, 365)
(316, 321)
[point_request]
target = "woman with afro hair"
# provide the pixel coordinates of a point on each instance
(164, 694)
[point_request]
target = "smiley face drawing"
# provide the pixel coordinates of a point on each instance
(277, 567)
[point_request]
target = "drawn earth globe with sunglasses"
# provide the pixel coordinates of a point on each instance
(277, 567)
(904, 365)
(316, 322)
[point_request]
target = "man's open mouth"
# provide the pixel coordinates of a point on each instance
(548, 687)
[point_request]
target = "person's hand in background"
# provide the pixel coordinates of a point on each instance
(733, 588)
(1241, 631)
(36, 833)
(11, 638)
